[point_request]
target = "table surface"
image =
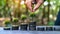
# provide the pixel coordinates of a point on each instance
(26, 32)
(29, 32)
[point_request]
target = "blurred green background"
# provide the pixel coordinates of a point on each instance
(45, 15)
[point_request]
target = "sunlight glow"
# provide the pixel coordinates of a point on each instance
(45, 3)
(22, 2)
(50, 16)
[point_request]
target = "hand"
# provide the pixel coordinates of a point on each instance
(39, 2)
(29, 4)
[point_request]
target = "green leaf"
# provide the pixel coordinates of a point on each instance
(23, 17)
(15, 20)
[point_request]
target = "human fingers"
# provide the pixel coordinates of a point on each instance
(39, 2)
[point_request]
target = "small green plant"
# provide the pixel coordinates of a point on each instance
(15, 25)
(7, 22)
(15, 20)
(32, 15)
(23, 17)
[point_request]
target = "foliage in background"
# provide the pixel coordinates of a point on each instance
(5, 11)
